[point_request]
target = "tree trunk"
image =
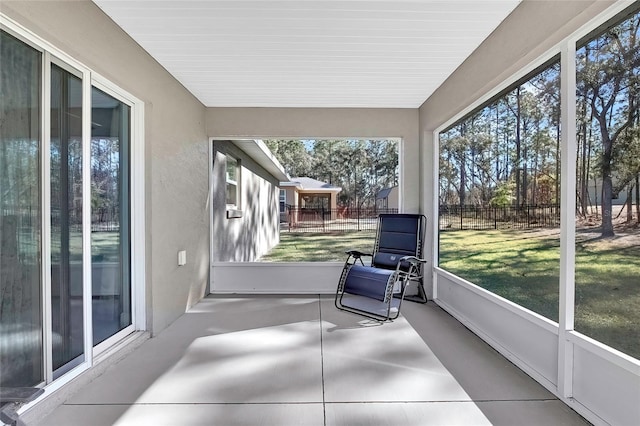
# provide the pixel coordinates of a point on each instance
(607, 189)
(629, 204)
(518, 145)
(638, 198)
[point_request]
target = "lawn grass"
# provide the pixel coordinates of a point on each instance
(105, 247)
(523, 266)
(319, 247)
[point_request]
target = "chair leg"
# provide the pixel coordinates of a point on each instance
(421, 297)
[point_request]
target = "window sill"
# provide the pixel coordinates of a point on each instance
(234, 213)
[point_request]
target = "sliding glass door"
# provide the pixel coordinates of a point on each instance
(21, 318)
(110, 218)
(65, 213)
(67, 307)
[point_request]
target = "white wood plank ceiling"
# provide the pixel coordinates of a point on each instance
(309, 53)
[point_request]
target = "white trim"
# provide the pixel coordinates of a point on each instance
(401, 187)
(435, 223)
(259, 264)
(138, 217)
(604, 351)
(497, 346)
(210, 207)
(45, 179)
(87, 278)
(81, 375)
(566, 302)
(229, 160)
(55, 386)
(66, 67)
(275, 277)
(106, 344)
(137, 208)
(512, 307)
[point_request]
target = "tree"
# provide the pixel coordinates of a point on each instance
(292, 154)
(504, 195)
(512, 141)
(608, 81)
(360, 167)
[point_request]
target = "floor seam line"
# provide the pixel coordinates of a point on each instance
(315, 402)
(424, 401)
(94, 404)
(324, 406)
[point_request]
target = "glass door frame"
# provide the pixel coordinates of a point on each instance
(49, 60)
(52, 55)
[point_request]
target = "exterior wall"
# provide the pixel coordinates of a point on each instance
(392, 199)
(330, 123)
(292, 197)
(176, 146)
(333, 199)
(246, 238)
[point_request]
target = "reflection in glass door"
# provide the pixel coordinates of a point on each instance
(110, 218)
(46, 301)
(21, 338)
(66, 220)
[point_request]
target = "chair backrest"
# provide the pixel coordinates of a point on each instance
(398, 235)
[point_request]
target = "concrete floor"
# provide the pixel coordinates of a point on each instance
(272, 360)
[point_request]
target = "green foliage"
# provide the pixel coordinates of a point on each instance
(293, 156)
(503, 194)
(514, 138)
(360, 167)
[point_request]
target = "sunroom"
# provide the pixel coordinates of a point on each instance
(526, 110)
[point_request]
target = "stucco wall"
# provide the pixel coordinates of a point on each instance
(246, 238)
(330, 123)
(176, 149)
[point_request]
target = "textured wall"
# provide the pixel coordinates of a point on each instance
(176, 148)
(247, 238)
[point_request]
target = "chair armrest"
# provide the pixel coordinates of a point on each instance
(357, 253)
(413, 260)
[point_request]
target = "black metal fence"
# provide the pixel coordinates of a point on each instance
(330, 220)
(455, 217)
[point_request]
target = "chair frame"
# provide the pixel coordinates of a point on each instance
(399, 280)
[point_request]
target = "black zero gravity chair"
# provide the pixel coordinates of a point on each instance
(377, 291)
